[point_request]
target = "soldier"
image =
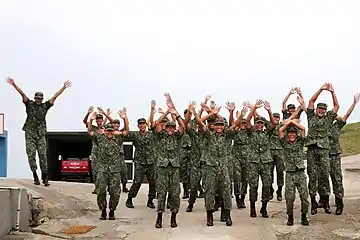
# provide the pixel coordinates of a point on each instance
(291, 109)
(168, 179)
(185, 154)
(144, 163)
(293, 147)
(317, 143)
(260, 161)
(109, 147)
(35, 129)
(335, 157)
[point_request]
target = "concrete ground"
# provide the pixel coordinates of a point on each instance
(72, 204)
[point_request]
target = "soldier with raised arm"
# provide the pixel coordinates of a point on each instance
(35, 129)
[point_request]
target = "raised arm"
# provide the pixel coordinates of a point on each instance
(159, 120)
(178, 118)
(334, 98)
(351, 108)
(106, 114)
(12, 83)
(90, 129)
(90, 110)
(67, 84)
(207, 98)
(316, 95)
(230, 106)
(296, 123)
(152, 113)
(257, 105)
(201, 124)
(283, 128)
(238, 122)
(271, 117)
(292, 91)
(122, 114)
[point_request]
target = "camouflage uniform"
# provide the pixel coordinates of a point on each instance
(286, 113)
(185, 156)
(94, 156)
(295, 174)
(168, 178)
(318, 163)
(144, 162)
(108, 169)
(35, 134)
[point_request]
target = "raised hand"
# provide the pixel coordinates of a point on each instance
(91, 109)
(267, 106)
(93, 116)
(244, 110)
(153, 104)
(230, 106)
(173, 111)
(212, 105)
(170, 105)
(298, 91)
(324, 86)
(330, 87)
(258, 103)
(237, 114)
(10, 81)
(216, 110)
(108, 111)
(101, 110)
(207, 98)
(122, 113)
(161, 111)
(292, 90)
(205, 107)
(67, 84)
(247, 104)
(356, 98)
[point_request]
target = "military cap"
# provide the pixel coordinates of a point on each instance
(186, 111)
(243, 120)
(291, 128)
(39, 95)
(290, 106)
(260, 119)
(109, 127)
(211, 119)
(99, 116)
(165, 120)
(170, 124)
(141, 120)
(219, 122)
(117, 121)
(322, 105)
(276, 115)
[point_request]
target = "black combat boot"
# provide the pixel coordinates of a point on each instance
(158, 223)
(190, 207)
(201, 193)
(290, 220)
(238, 202)
(339, 205)
(263, 210)
(112, 215)
(242, 202)
(173, 223)
(103, 215)
(210, 219)
(129, 203)
(125, 190)
(222, 215)
(45, 179)
(186, 191)
(150, 203)
(36, 178)
(279, 194)
(313, 206)
(228, 218)
(304, 220)
(252, 210)
(271, 193)
(327, 209)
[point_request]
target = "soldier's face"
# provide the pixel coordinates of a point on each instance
(320, 112)
(219, 128)
(291, 136)
(99, 121)
(291, 110)
(211, 126)
(259, 126)
(277, 120)
(142, 127)
(170, 130)
(116, 126)
(109, 134)
(163, 126)
(38, 100)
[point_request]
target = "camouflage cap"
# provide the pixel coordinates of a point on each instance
(211, 119)
(117, 121)
(141, 120)
(219, 122)
(276, 115)
(109, 127)
(322, 105)
(39, 95)
(291, 128)
(99, 116)
(170, 124)
(165, 120)
(186, 111)
(260, 119)
(291, 106)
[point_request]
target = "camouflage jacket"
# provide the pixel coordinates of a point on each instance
(240, 148)
(287, 115)
(144, 147)
(259, 146)
(318, 128)
(167, 149)
(35, 122)
(195, 149)
(275, 143)
(109, 152)
(293, 154)
(186, 141)
(93, 143)
(334, 137)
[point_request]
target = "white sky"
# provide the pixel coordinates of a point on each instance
(126, 53)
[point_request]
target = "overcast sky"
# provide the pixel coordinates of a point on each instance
(126, 53)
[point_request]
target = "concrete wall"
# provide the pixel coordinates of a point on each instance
(9, 209)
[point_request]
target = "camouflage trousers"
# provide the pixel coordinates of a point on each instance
(318, 168)
(93, 167)
(168, 181)
(240, 176)
(109, 181)
(140, 172)
(293, 181)
(336, 175)
(278, 158)
(123, 170)
(33, 143)
(216, 179)
(185, 156)
(264, 171)
(195, 185)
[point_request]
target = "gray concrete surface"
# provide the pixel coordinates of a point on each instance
(72, 204)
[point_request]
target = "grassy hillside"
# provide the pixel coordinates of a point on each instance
(350, 139)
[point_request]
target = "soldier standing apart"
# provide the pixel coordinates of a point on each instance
(335, 157)
(168, 179)
(109, 147)
(293, 147)
(260, 161)
(317, 143)
(35, 129)
(144, 162)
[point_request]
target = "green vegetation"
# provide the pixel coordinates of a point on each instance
(350, 139)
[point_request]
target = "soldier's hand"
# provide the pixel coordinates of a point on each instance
(93, 116)
(216, 110)
(67, 84)
(330, 87)
(212, 105)
(258, 103)
(173, 111)
(247, 104)
(161, 111)
(237, 114)
(324, 87)
(100, 110)
(244, 111)
(298, 91)
(122, 113)
(10, 81)
(267, 106)
(207, 98)
(292, 90)
(91, 109)
(108, 111)
(230, 106)
(153, 104)
(357, 98)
